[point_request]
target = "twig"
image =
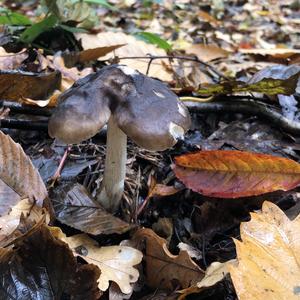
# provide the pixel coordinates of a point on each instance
(187, 58)
(16, 107)
(24, 124)
(247, 107)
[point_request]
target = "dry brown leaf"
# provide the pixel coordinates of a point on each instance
(133, 48)
(14, 85)
(268, 256)
(207, 52)
(18, 172)
(95, 53)
(51, 102)
(162, 267)
(10, 222)
(69, 75)
(8, 198)
(115, 262)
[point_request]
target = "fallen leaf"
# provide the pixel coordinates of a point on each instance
(233, 174)
(10, 221)
(268, 256)
(160, 190)
(133, 48)
(115, 262)
(43, 267)
(11, 61)
(74, 207)
(162, 267)
(15, 85)
(8, 198)
(18, 172)
(213, 274)
(207, 52)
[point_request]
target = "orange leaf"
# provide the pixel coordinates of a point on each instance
(233, 174)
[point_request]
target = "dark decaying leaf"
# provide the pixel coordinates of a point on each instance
(15, 85)
(74, 207)
(18, 172)
(43, 267)
(233, 174)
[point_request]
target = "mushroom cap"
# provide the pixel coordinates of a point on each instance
(145, 109)
(80, 113)
(151, 114)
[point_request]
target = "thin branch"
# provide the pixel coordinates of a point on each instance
(187, 58)
(247, 107)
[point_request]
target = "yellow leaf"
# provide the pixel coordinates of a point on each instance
(268, 257)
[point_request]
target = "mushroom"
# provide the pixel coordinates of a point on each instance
(133, 105)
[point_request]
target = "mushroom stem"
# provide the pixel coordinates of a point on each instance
(112, 186)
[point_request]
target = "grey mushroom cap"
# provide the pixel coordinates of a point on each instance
(145, 109)
(151, 115)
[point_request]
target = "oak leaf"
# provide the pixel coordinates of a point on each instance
(162, 267)
(115, 262)
(268, 256)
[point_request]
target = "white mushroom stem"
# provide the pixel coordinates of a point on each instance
(112, 186)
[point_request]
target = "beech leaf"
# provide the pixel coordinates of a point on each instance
(18, 172)
(233, 174)
(268, 256)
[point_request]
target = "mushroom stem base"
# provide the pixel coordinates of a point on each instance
(112, 186)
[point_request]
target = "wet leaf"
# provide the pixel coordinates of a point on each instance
(233, 174)
(268, 256)
(74, 207)
(115, 262)
(18, 172)
(43, 267)
(163, 269)
(15, 85)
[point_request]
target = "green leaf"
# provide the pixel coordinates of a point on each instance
(31, 33)
(153, 38)
(103, 3)
(72, 29)
(8, 17)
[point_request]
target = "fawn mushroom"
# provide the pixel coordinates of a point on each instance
(132, 105)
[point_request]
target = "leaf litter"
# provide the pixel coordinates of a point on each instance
(230, 50)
